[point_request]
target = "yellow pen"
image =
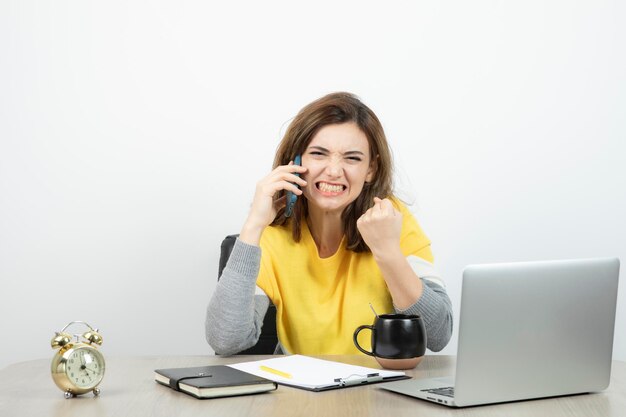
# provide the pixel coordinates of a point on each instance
(275, 371)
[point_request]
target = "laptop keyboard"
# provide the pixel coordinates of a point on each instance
(446, 391)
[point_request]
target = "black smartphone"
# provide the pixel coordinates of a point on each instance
(291, 197)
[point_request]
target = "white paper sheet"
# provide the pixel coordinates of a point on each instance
(315, 374)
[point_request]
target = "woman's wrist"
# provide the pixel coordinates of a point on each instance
(389, 254)
(251, 233)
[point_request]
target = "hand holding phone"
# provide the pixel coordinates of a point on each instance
(291, 197)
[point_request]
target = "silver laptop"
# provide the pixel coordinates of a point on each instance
(529, 330)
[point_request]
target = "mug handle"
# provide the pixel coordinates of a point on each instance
(356, 342)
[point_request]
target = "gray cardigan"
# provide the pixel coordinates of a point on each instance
(235, 313)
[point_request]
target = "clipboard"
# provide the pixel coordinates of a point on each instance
(314, 374)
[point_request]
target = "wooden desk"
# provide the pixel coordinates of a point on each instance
(128, 389)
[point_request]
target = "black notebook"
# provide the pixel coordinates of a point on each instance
(213, 381)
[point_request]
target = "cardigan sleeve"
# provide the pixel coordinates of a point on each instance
(235, 313)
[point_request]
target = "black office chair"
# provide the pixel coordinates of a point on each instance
(269, 337)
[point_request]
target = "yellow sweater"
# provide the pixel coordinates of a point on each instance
(320, 302)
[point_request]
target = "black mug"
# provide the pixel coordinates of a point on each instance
(398, 340)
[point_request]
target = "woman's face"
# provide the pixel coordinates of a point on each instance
(339, 163)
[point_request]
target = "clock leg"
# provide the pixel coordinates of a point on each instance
(68, 395)
(96, 391)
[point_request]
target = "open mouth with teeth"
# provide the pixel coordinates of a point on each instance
(330, 189)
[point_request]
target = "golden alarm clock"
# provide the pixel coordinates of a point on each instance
(78, 366)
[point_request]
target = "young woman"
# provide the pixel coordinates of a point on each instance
(349, 243)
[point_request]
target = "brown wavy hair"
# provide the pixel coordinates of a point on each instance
(338, 108)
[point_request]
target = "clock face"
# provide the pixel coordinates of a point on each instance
(85, 367)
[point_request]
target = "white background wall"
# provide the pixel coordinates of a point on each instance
(132, 134)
